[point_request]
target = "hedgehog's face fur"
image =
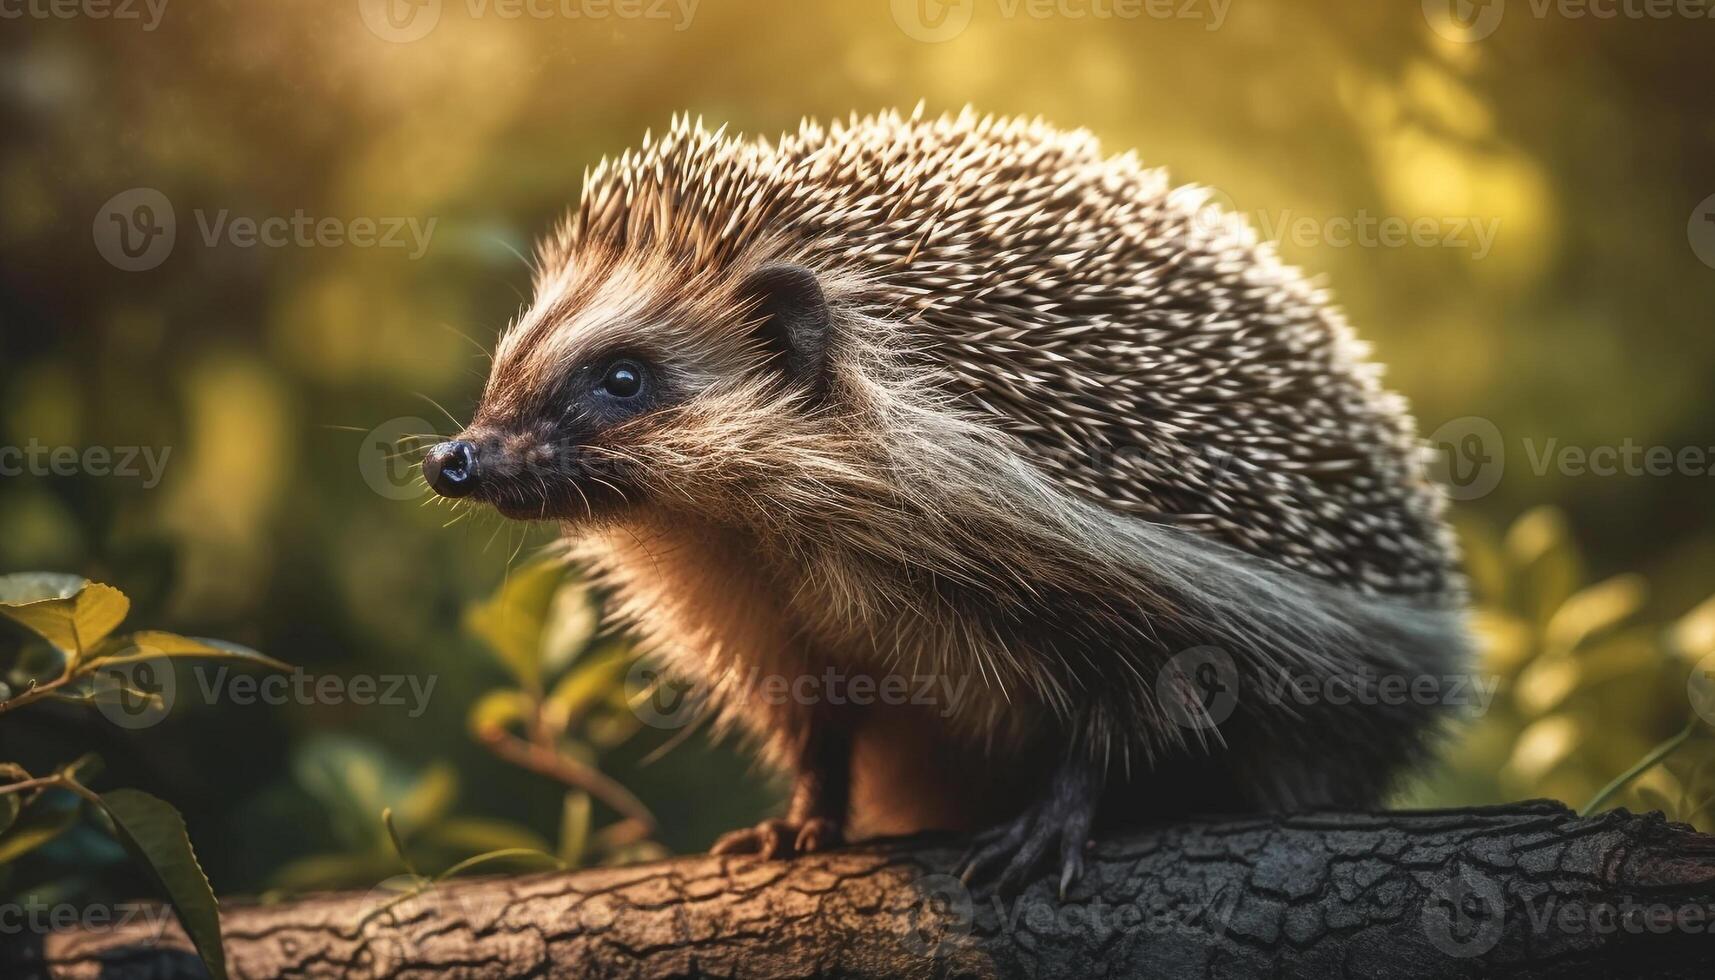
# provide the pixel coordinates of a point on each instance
(621, 388)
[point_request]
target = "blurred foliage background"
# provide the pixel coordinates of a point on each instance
(1586, 145)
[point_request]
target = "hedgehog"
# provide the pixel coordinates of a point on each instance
(963, 408)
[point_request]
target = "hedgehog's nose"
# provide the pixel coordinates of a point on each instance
(450, 468)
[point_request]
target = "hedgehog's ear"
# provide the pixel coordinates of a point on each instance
(793, 321)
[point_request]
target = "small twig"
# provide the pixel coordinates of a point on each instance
(38, 782)
(63, 779)
(35, 692)
(543, 760)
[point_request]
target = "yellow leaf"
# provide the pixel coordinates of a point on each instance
(497, 710)
(1545, 683)
(1485, 565)
(1593, 609)
(1535, 533)
(72, 613)
(157, 643)
(1694, 635)
(1541, 549)
(1505, 640)
(1542, 746)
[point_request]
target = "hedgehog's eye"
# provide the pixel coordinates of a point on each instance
(623, 378)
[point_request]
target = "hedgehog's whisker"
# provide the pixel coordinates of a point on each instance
(523, 536)
(485, 352)
(457, 425)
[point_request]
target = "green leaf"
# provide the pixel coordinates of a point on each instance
(153, 831)
(574, 827)
(599, 674)
(26, 587)
(9, 807)
(429, 797)
(467, 834)
(152, 644)
(354, 779)
(72, 613)
(38, 825)
(567, 627)
(511, 622)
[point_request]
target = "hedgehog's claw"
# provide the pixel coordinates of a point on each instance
(1017, 848)
(775, 839)
(767, 840)
(817, 834)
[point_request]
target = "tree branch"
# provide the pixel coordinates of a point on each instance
(1527, 890)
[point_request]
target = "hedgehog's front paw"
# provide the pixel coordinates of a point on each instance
(1017, 848)
(773, 839)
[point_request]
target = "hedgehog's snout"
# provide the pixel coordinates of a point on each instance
(451, 469)
(524, 471)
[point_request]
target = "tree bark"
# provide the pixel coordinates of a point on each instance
(1526, 890)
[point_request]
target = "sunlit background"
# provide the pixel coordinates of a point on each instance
(1513, 212)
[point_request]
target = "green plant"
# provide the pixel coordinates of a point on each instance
(82, 661)
(1591, 704)
(566, 704)
(375, 804)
